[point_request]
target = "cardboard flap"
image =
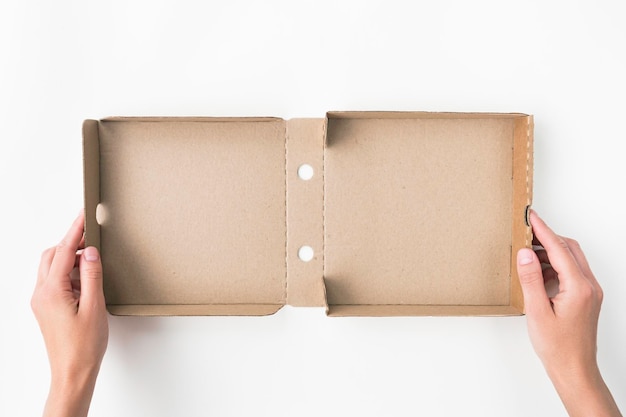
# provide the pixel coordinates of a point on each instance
(522, 199)
(194, 309)
(305, 199)
(91, 167)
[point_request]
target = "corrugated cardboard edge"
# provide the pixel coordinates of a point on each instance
(522, 199)
(396, 310)
(195, 310)
(91, 174)
(189, 119)
(419, 114)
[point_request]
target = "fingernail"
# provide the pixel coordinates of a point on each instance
(91, 254)
(524, 256)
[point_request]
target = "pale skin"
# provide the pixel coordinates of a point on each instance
(73, 320)
(563, 329)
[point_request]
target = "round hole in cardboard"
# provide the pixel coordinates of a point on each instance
(306, 253)
(305, 172)
(101, 214)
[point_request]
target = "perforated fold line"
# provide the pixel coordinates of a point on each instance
(286, 289)
(324, 133)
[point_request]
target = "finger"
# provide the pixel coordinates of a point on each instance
(75, 279)
(549, 274)
(581, 259)
(535, 240)
(578, 254)
(552, 287)
(561, 258)
(65, 254)
(79, 254)
(91, 292)
(543, 256)
(536, 300)
(44, 264)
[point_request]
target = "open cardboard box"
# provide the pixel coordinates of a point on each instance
(407, 213)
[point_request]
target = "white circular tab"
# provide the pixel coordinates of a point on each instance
(306, 253)
(305, 172)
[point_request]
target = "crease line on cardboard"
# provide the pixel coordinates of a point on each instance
(286, 287)
(324, 137)
(420, 305)
(198, 304)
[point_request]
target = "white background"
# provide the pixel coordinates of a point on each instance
(62, 62)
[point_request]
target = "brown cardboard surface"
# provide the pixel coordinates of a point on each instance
(418, 212)
(408, 213)
(305, 145)
(195, 212)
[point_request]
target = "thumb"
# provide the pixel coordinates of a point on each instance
(91, 277)
(531, 278)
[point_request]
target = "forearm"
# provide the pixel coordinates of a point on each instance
(70, 396)
(584, 393)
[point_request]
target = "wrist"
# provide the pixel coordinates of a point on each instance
(70, 393)
(564, 372)
(583, 390)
